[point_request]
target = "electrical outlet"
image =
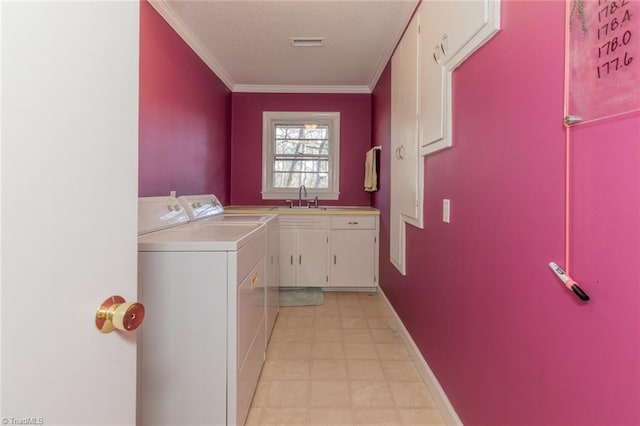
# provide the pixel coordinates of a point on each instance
(446, 210)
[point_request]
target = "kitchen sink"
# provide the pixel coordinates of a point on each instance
(294, 208)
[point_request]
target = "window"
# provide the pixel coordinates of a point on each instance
(300, 148)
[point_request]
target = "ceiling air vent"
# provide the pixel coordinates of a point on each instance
(307, 41)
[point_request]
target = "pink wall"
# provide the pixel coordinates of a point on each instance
(184, 116)
(508, 343)
(246, 141)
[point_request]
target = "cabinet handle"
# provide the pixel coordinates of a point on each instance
(300, 260)
(444, 44)
(398, 154)
(334, 259)
(437, 52)
(292, 259)
(353, 223)
(401, 152)
(443, 49)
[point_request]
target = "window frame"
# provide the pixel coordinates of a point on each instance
(272, 118)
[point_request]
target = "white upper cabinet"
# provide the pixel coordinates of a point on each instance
(440, 36)
(432, 79)
(450, 32)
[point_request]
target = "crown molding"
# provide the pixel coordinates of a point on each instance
(259, 88)
(168, 14)
(394, 40)
(163, 8)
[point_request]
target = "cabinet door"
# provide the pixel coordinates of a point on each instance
(451, 32)
(352, 260)
(288, 257)
(312, 258)
(433, 46)
(273, 276)
(404, 121)
(462, 21)
(407, 169)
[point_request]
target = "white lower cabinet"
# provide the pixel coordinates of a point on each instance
(352, 260)
(329, 251)
(304, 258)
(304, 241)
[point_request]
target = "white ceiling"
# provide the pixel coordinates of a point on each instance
(248, 43)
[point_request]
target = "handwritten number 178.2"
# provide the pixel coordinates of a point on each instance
(610, 9)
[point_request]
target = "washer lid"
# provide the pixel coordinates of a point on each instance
(156, 213)
(200, 236)
(201, 206)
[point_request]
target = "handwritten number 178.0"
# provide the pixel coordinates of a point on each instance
(613, 44)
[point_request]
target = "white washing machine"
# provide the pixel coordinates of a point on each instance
(207, 208)
(201, 349)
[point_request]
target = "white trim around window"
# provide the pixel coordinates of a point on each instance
(312, 157)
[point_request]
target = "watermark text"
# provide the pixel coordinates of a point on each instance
(22, 421)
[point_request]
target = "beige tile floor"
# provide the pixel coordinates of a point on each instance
(340, 364)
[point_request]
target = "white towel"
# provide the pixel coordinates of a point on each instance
(370, 175)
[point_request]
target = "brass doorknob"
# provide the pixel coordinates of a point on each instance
(115, 313)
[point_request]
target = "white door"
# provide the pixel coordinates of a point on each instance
(69, 141)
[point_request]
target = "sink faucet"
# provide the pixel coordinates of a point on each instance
(302, 190)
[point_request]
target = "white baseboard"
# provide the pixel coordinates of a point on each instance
(439, 397)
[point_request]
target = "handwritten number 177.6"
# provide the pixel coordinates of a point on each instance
(614, 65)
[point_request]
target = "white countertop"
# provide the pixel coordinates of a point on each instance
(322, 210)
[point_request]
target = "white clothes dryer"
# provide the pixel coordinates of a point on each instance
(202, 346)
(207, 208)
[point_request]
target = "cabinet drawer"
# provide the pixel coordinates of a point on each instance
(304, 222)
(353, 222)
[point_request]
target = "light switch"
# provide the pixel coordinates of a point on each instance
(446, 210)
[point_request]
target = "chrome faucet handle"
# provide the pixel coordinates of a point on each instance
(291, 203)
(312, 203)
